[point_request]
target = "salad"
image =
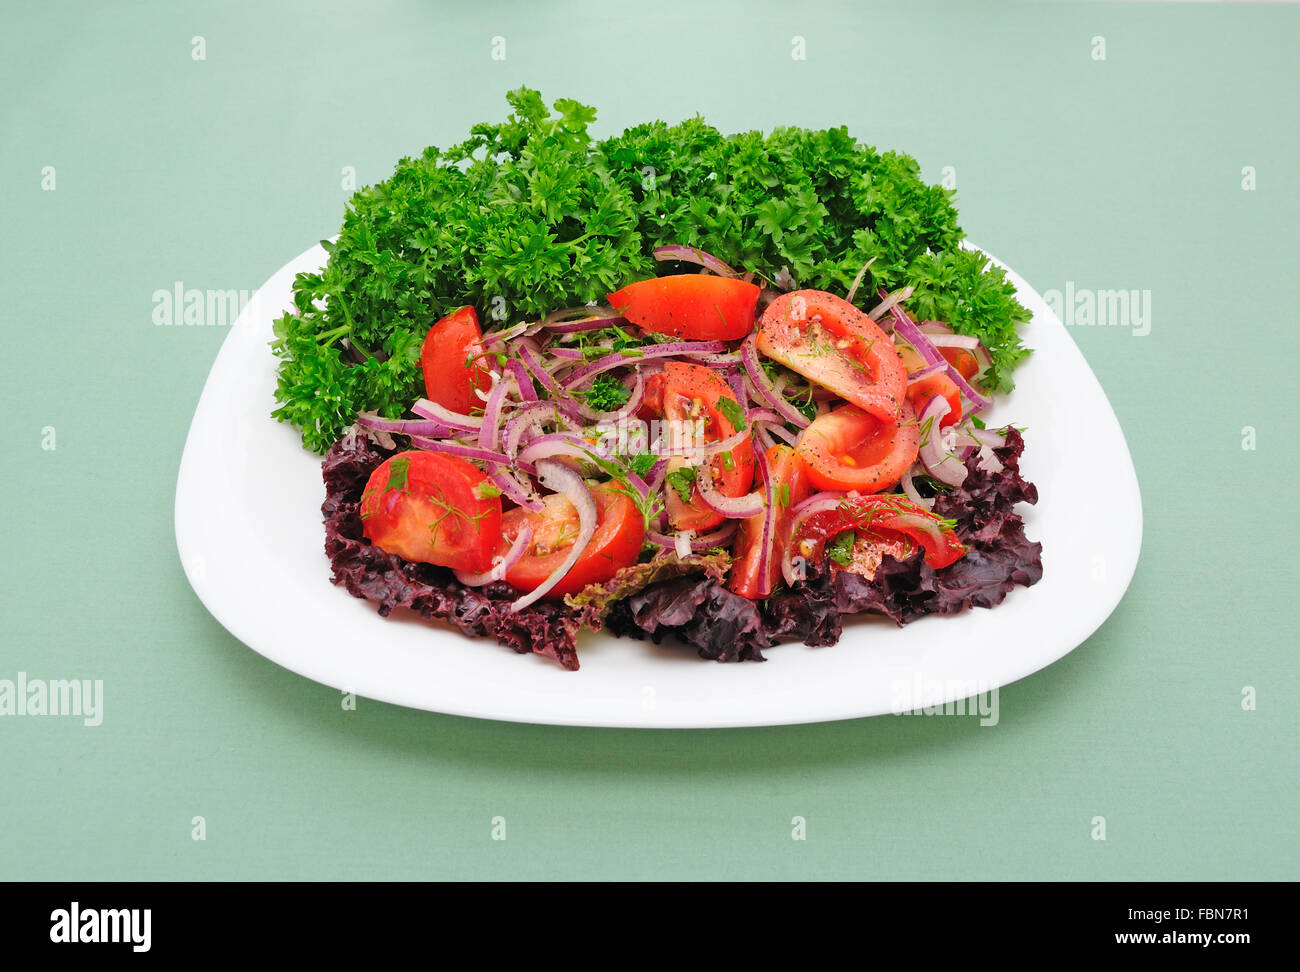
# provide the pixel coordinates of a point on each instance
(693, 440)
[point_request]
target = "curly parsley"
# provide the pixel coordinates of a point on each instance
(534, 212)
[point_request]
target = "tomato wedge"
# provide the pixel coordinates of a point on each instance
(620, 533)
(850, 449)
(964, 361)
(920, 391)
(432, 508)
(448, 379)
(693, 393)
(789, 473)
(881, 524)
(652, 403)
(697, 306)
(829, 341)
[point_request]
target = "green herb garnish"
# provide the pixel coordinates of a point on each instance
(607, 393)
(730, 409)
(531, 214)
(840, 549)
(682, 480)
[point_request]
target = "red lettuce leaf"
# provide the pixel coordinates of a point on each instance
(370, 573)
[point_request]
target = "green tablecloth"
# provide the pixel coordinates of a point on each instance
(129, 166)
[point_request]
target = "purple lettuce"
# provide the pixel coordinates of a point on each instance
(723, 626)
(391, 582)
(689, 601)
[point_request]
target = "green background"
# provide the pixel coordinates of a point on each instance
(1122, 173)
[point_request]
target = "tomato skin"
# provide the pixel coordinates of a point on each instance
(787, 469)
(426, 507)
(829, 341)
(920, 392)
(684, 386)
(620, 533)
(849, 449)
(964, 361)
(698, 306)
(448, 345)
(652, 402)
(892, 522)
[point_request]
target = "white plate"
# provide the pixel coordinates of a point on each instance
(249, 532)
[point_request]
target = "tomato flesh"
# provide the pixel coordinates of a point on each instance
(829, 341)
(620, 533)
(849, 449)
(432, 508)
(697, 306)
(890, 524)
(790, 475)
(448, 379)
(691, 394)
(964, 361)
(921, 391)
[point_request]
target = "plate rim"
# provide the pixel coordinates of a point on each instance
(239, 625)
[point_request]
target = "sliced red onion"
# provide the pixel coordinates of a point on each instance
(531, 417)
(520, 494)
(455, 420)
(557, 444)
(563, 480)
(926, 372)
(530, 360)
(858, 279)
(763, 433)
(889, 303)
(719, 538)
(690, 254)
(780, 432)
(639, 485)
(527, 392)
(490, 430)
(767, 536)
(765, 415)
(658, 472)
(988, 440)
(736, 382)
(589, 324)
(784, 280)
(429, 427)
(763, 388)
(909, 488)
(500, 563)
(620, 360)
(936, 456)
(566, 354)
(715, 360)
(989, 461)
(708, 449)
(682, 544)
(732, 507)
(988, 437)
(954, 341)
(906, 328)
(464, 451)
